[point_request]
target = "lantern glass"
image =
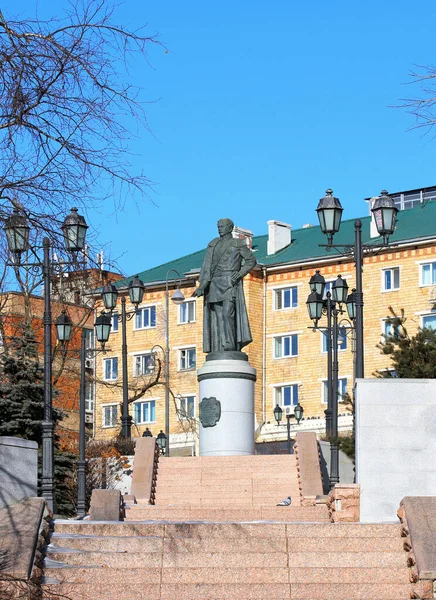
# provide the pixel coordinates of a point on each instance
(385, 214)
(315, 304)
(74, 228)
(161, 441)
(136, 290)
(102, 327)
(298, 412)
(278, 413)
(317, 284)
(64, 327)
(109, 295)
(17, 232)
(340, 290)
(329, 214)
(351, 305)
(178, 297)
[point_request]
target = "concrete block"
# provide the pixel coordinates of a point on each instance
(18, 470)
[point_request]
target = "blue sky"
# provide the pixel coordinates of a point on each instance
(262, 106)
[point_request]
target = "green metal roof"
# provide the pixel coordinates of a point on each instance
(414, 224)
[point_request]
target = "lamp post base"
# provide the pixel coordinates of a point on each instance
(226, 407)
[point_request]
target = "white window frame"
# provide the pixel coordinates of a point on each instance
(384, 289)
(324, 390)
(277, 386)
(330, 282)
(114, 322)
(89, 399)
(141, 309)
(323, 336)
(111, 358)
(182, 415)
(103, 406)
(191, 303)
(429, 314)
(185, 349)
(383, 333)
(140, 402)
(136, 355)
(422, 264)
(282, 336)
(282, 289)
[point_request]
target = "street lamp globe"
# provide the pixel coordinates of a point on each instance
(298, 412)
(64, 327)
(351, 304)
(339, 290)
(329, 214)
(17, 232)
(317, 283)
(385, 215)
(178, 297)
(74, 228)
(109, 294)
(315, 304)
(136, 290)
(278, 413)
(162, 441)
(102, 327)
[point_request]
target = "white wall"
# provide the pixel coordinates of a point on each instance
(395, 443)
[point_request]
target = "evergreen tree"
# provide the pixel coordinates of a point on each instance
(412, 357)
(21, 387)
(22, 407)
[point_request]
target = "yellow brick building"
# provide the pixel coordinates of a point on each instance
(290, 357)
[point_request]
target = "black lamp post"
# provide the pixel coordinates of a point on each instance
(109, 294)
(278, 413)
(161, 442)
(298, 414)
(385, 214)
(17, 234)
(331, 307)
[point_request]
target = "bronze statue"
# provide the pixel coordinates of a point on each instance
(225, 320)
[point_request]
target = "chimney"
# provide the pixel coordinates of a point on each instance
(279, 236)
(243, 234)
(373, 233)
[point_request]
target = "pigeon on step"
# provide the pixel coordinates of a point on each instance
(286, 502)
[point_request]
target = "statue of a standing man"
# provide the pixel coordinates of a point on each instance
(225, 320)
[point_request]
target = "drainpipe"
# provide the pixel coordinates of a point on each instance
(265, 277)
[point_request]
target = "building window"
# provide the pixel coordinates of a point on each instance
(187, 359)
(89, 395)
(429, 322)
(187, 312)
(286, 345)
(145, 318)
(286, 395)
(342, 339)
(89, 339)
(428, 274)
(286, 298)
(391, 279)
(187, 407)
(110, 415)
(110, 369)
(392, 329)
(114, 327)
(342, 390)
(144, 364)
(145, 412)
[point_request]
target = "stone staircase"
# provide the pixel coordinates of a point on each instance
(185, 561)
(227, 488)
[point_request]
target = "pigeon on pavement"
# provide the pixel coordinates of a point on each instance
(286, 502)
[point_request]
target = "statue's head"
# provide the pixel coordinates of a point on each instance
(225, 226)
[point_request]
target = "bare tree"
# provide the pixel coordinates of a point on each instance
(65, 98)
(423, 106)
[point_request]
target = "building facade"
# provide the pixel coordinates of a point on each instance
(289, 355)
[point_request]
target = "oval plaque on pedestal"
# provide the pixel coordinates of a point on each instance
(210, 412)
